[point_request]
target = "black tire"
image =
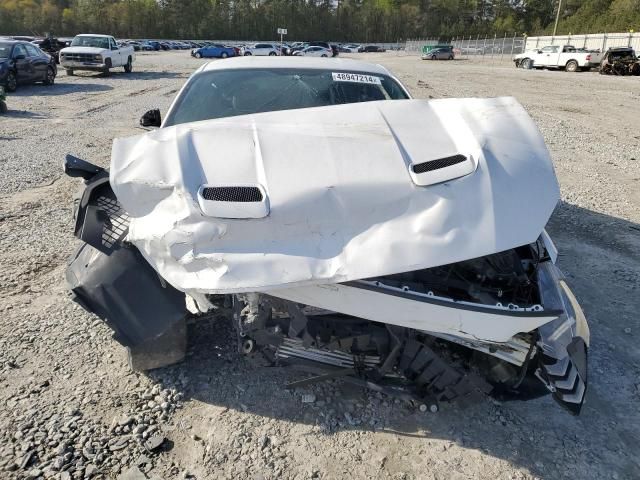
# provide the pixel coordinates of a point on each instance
(3, 107)
(324, 55)
(107, 67)
(49, 77)
(128, 68)
(571, 66)
(525, 63)
(198, 55)
(69, 72)
(433, 57)
(11, 82)
(272, 54)
(450, 57)
(223, 55)
(247, 54)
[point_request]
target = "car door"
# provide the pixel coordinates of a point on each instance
(24, 69)
(543, 58)
(116, 56)
(39, 61)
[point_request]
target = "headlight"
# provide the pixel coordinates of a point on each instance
(97, 58)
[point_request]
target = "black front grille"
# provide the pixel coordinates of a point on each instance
(438, 164)
(232, 194)
(116, 224)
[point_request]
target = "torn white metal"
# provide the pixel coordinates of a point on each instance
(345, 192)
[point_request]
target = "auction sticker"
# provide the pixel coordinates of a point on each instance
(355, 78)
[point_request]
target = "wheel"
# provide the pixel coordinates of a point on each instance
(198, 55)
(433, 57)
(571, 66)
(49, 77)
(450, 57)
(129, 66)
(69, 72)
(526, 63)
(3, 107)
(107, 66)
(324, 55)
(224, 55)
(272, 54)
(247, 54)
(12, 82)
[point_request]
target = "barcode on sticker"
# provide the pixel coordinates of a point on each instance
(355, 78)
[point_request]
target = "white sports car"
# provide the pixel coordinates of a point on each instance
(397, 242)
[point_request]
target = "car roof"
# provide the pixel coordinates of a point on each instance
(293, 62)
(92, 35)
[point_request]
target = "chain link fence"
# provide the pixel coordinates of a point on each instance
(485, 46)
(509, 44)
(596, 41)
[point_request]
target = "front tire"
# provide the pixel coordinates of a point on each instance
(49, 77)
(198, 55)
(3, 107)
(571, 66)
(129, 66)
(223, 55)
(247, 54)
(107, 67)
(272, 54)
(12, 82)
(323, 55)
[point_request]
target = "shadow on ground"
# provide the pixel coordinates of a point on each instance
(600, 255)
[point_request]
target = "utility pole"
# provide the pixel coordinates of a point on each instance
(555, 27)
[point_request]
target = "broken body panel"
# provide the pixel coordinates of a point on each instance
(346, 240)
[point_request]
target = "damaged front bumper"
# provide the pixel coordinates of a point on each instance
(563, 343)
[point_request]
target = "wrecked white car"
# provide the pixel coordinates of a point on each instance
(394, 242)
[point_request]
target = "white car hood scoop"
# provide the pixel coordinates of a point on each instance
(333, 194)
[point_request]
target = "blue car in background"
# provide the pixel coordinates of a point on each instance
(215, 50)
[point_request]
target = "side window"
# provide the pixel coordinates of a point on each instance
(112, 43)
(547, 49)
(19, 50)
(33, 51)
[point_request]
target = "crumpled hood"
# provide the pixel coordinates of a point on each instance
(333, 194)
(91, 50)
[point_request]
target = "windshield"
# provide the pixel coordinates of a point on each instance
(5, 50)
(87, 41)
(228, 93)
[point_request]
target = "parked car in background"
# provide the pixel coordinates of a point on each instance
(620, 61)
(214, 51)
(351, 48)
(50, 45)
(373, 48)
(296, 47)
(441, 53)
(332, 48)
(261, 49)
(313, 52)
(97, 53)
(565, 57)
(22, 62)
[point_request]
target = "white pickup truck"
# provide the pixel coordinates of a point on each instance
(96, 52)
(565, 57)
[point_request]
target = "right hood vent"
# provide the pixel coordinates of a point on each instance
(442, 169)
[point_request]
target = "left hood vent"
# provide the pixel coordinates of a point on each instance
(440, 170)
(233, 201)
(232, 194)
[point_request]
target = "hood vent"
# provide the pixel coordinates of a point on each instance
(441, 170)
(438, 164)
(232, 194)
(234, 201)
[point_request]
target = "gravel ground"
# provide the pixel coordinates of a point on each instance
(70, 408)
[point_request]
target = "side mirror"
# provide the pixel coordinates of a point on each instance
(151, 118)
(19, 57)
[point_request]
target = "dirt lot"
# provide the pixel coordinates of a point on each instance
(70, 408)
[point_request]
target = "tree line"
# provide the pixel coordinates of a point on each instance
(335, 20)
